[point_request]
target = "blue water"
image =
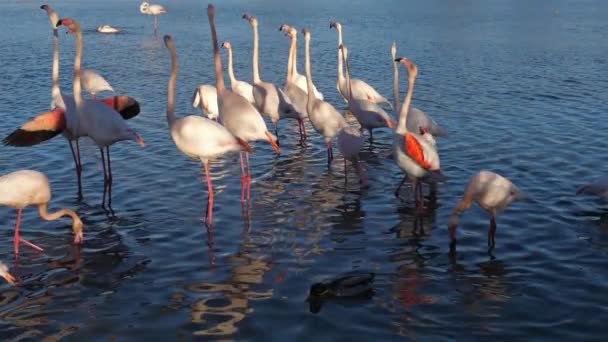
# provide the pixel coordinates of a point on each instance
(520, 86)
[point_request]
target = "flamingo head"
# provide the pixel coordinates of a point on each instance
(77, 228)
(306, 33)
(335, 24)
(411, 68)
(72, 25)
(53, 17)
(6, 275)
(144, 7)
(292, 32)
(284, 28)
(168, 41)
(227, 45)
(251, 19)
(211, 10)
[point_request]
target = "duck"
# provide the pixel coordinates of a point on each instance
(351, 286)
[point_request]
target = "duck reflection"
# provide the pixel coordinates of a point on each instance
(347, 289)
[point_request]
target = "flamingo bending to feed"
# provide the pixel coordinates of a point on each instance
(492, 192)
(198, 137)
(94, 83)
(155, 10)
(240, 87)
(269, 99)
(417, 120)
(368, 113)
(48, 125)
(4, 273)
(298, 79)
(361, 90)
(323, 116)
(22, 188)
(237, 114)
(413, 153)
(205, 97)
(298, 97)
(108, 29)
(100, 122)
(598, 188)
(350, 141)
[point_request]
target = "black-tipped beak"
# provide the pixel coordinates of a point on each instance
(42, 7)
(398, 59)
(58, 23)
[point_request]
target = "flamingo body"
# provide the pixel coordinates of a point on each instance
(240, 87)
(93, 82)
(598, 188)
(205, 97)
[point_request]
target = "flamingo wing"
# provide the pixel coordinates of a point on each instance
(43, 127)
(127, 106)
(414, 150)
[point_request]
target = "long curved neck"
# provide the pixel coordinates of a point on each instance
(256, 70)
(230, 69)
(292, 48)
(340, 56)
(309, 84)
(294, 59)
(401, 127)
(348, 83)
(171, 88)
(395, 83)
(77, 61)
(219, 75)
(56, 90)
(43, 211)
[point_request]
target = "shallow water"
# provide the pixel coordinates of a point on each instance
(521, 87)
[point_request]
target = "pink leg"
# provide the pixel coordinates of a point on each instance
(209, 214)
(248, 176)
(76, 156)
(155, 24)
(243, 177)
(17, 239)
(492, 232)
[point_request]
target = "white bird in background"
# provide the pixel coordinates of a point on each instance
(298, 79)
(492, 192)
(240, 87)
(598, 188)
(6, 275)
(205, 98)
(98, 121)
(198, 137)
(22, 188)
(94, 83)
(108, 29)
(154, 10)
(361, 90)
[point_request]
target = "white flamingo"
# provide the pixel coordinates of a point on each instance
(269, 99)
(197, 137)
(22, 188)
(368, 113)
(4, 273)
(108, 29)
(205, 98)
(94, 83)
(240, 87)
(598, 188)
(492, 192)
(413, 153)
(155, 10)
(298, 79)
(237, 114)
(323, 116)
(298, 97)
(95, 119)
(361, 90)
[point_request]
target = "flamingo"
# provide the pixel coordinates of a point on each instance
(22, 188)
(198, 137)
(240, 87)
(417, 120)
(49, 124)
(298, 79)
(108, 29)
(100, 122)
(205, 97)
(598, 188)
(269, 99)
(155, 10)
(237, 114)
(94, 83)
(413, 153)
(350, 141)
(4, 273)
(298, 97)
(368, 113)
(361, 90)
(492, 192)
(323, 116)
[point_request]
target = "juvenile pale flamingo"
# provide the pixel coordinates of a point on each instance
(492, 192)
(413, 153)
(361, 90)
(237, 114)
(48, 125)
(298, 97)
(4, 273)
(298, 79)
(198, 137)
(598, 188)
(22, 188)
(98, 121)
(240, 87)
(154, 10)
(94, 83)
(323, 116)
(368, 113)
(205, 98)
(269, 99)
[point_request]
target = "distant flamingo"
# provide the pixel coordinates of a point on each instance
(299, 98)
(154, 10)
(240, 87)
(492, 192)
(237, 114)
(198, 137)
(94, 83)
(205, 98)
(22, 188)
(269, 99)
(98, 121)
(323, 116)
(108, 29)
(298, 79)
(598, 188)
(413, 153)
(4, 273)
(361, 90)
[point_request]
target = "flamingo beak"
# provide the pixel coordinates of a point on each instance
(9, 278)
(79, 238)
(392, 123)
(273, 142)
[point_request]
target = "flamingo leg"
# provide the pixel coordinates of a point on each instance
(416, 191)
(243, 177)
(17, 240)
(109, 178)
(78, 168)
(94, 96)
(492, 232)
(105, 177)
(209, 214)
(345, 173)
(155, 24)
(330, 154)
(400, 185)
(248, 176)
(276, 131)
(371, 136)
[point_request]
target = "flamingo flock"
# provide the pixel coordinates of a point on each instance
(234, 118)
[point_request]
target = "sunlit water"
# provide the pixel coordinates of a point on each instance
(520, 86)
